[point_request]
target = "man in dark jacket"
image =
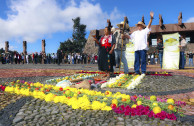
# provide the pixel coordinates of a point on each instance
(160, 48)
(59, 56)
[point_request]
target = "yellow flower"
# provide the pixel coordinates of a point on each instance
(157, 110)
(170, 101)
(115, 101)
(153, 98)
(49, 97)
(155, 104)
(134, 106)
(139, 102)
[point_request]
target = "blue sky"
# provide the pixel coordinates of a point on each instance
(34, 20)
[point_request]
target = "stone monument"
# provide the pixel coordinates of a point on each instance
(24, 50)
(160, 20)
(43, 50)
(180, 23)
(6, 46)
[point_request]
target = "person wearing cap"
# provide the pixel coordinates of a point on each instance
(139, 38)
(106, 50)
(119, 37)
(182, 47)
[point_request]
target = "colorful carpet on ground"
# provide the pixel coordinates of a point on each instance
(96, 100)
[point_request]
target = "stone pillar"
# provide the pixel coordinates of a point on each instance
(43, 50)
(6, 46)
(24, 50)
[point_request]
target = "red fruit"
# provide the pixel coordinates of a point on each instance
(12, 84)
(64, 92)
(60, 89)
(78, 92)
(67, 89)
(29, 87)
(47, 90)
(68, 97)
(36, 88)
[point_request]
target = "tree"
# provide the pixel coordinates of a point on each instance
(78, 38)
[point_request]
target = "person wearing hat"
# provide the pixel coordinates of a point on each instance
(139, 38)
(118, 36)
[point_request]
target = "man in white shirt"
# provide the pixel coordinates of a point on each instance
(139, 38)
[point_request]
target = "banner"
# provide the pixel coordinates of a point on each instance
(130, 55)
(171, 53)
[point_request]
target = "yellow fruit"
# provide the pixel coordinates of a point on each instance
(134, 106)
(139, 102)
(157, 110)
(153, 98)
(155, 104)
(170, 101)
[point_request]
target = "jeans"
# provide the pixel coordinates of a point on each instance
(156, 60)
(152, 61)
(182, 60)
(117, 58)
(140, 56)
(191, 61)
(161, 58)
(124, 60)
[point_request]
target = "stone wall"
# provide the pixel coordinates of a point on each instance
(91, 47)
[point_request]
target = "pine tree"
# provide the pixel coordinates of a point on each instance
(78, 38)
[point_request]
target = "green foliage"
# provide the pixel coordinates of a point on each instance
(78, 38)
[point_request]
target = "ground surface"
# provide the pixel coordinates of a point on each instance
(18, 110)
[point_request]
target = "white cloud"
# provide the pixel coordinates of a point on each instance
(33, 19)
(190, 19)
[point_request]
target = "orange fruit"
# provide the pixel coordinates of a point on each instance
(171, 107)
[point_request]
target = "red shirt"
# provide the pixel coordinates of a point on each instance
(106, 41)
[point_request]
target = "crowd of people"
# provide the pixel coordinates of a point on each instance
(49, 58)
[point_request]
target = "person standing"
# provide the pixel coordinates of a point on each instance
(106, 49)
(190, 58)
(152, 58)
(160, 48)
(59, 56)
(119, 38)
(27, 58)
(141, 46)
(182, 47)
